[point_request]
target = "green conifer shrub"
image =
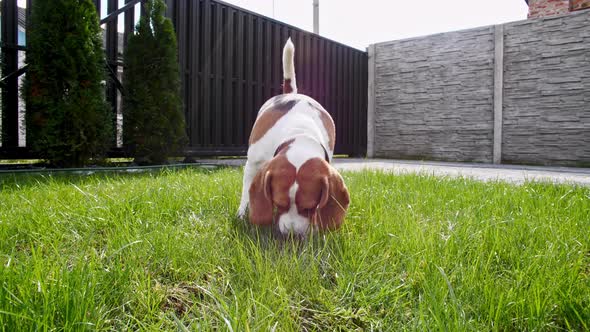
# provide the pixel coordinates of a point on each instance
(68, 120)
(153, 118)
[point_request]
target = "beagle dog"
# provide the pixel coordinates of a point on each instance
(288, 179)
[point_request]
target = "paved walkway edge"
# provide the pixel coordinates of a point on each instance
(484, 172)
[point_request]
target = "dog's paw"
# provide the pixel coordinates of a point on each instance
(241, 212)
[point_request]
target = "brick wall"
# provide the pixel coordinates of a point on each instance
(580, 4)
(433, 97)
(543, 8)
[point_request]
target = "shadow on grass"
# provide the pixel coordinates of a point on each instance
(18, 181)
(269, 238)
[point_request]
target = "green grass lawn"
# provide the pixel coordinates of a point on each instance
(163, 251)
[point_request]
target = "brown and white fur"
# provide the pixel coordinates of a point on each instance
(288, 179)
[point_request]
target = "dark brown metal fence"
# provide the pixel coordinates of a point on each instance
(230, 61)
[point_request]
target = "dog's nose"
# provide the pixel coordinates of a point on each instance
(293, 223)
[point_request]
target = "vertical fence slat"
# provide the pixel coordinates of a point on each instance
(177, 11)
(328, 85)
(336, 102)
(112, 50)
(352, 87)
(188, 98)
(339, 100)
(192, 118)
(10, 65)
(229, 131)
(346, 94)
(218, 73)
(206, 72)
(356, 88)
(322, 77)
(310, 64)
(365, 100)
(258, 70)
(275, 56)
(274, 47)
(351, 99)
(249, 77)
(307, 64)
(128, 30)
(315, 63)
(239, 105)
(268, 92)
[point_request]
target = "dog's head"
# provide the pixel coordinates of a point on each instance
(313, 194)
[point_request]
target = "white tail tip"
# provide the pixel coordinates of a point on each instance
(289, 84)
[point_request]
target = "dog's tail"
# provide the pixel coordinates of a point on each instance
(289, 83)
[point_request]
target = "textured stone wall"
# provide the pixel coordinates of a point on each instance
(546, 118)
(434, 97)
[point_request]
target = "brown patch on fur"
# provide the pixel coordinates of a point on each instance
(287, 87)
(270, 188)
(311, 179)
(322, 195)
(284, 147)
(270, 116)
(331, 215)
(327, 121)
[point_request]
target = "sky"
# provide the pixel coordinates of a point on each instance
(361, 23)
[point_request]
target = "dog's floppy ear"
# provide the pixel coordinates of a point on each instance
(333, 203)
(261, 209)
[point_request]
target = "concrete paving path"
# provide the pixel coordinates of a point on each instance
(484, 172)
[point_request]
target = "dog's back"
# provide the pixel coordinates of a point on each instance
(290, 114)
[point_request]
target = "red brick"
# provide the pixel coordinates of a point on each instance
(543, 8)
(580, 4)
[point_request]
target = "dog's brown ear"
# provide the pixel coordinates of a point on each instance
(334, 202)
(261, 209)
(325, 194)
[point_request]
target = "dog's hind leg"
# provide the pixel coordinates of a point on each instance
(250, 170)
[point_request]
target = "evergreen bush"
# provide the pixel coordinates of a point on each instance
(68, 120)
(153, 119)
